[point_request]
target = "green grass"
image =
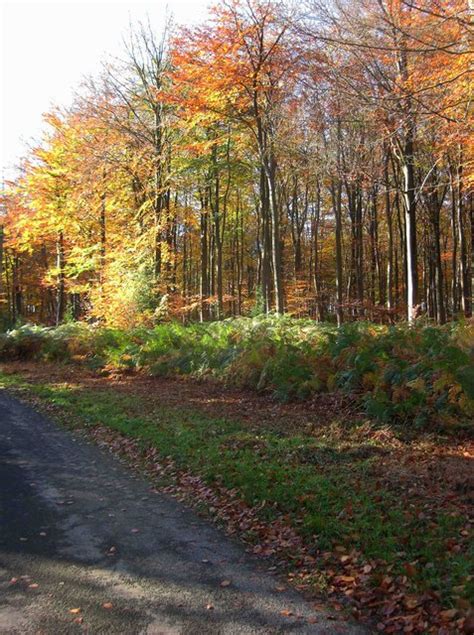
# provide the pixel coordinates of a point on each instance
(311, 481)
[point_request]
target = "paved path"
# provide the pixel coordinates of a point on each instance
(78, 530)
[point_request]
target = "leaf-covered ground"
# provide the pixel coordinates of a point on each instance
(375, 518)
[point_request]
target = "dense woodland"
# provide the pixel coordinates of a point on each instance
(316, 161)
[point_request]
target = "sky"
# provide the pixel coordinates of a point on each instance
(47, 47)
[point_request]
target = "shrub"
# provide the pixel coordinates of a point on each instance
(399, 373)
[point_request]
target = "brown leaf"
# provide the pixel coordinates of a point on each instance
(107, 605)
(286, 613)
(74, 611)
(411, 601)
(346, 579)
(448, 614)
(225, 583)
(410, 569)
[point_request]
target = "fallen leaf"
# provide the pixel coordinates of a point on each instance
(225, 583)
(107, 605)
(346, 578)
(449, 614)
(33, 585)
(74, 611)
(410, 569)
(411, 601)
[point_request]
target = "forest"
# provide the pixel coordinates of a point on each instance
(313, 160)
(241, 260)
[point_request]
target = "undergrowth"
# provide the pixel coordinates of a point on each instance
(409, 374)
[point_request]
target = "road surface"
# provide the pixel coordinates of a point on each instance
(87, 547)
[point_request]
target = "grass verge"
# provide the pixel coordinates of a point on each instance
(381, 524)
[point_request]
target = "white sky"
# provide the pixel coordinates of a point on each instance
(48, 46)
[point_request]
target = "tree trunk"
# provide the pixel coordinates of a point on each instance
(463, 256)
(265, 243)
(60, 288)
(204, 277)
(103, 238)
(336, 191)
(454, 250)
(275, 235)
(388, 217)
(438, 270)
(410, 227)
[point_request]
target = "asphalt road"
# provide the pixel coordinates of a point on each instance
(87, 547)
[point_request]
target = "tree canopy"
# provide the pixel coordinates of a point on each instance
(316, 161)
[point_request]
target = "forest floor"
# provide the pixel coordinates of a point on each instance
(374, 519)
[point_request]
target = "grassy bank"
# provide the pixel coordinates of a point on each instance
(416, 375)
(353, 510)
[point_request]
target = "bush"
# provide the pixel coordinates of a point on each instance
(403, 373)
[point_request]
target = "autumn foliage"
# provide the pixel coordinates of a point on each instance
(316, 161)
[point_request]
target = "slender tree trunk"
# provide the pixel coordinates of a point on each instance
(454, 250)
(275, 234)
(204, 277)
(317, 264)
(17, 291)
(407, 163)
(158, 188)
(265, 243)
(103, 238)
(336, 192)
(438, 269)
(463, 256)
(60, 288)
(388, 217)
(410, 227)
